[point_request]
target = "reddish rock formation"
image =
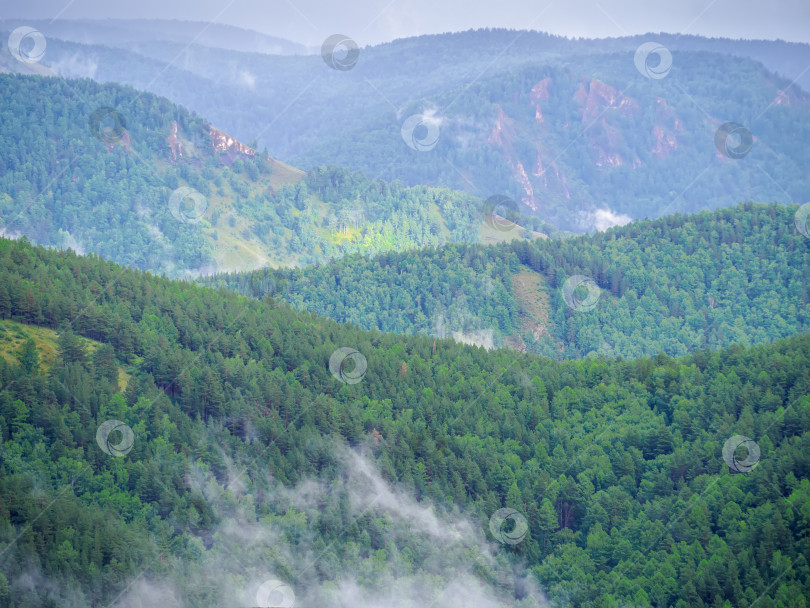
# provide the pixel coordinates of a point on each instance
(539, 170)
(597, 96)
(664, 142)
(174, 142)
(222, 142)
(503, 134)
(664, 133)
(782, 98)
(561, 179)
(540, 90)
(528, 199)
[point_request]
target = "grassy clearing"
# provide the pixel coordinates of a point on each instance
(13, 335)
(533, 305)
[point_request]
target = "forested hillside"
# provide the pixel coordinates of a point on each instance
(572, 128)
(132, 177)
(586, 142)
(234, 458)
(123, 174)
(673, 285)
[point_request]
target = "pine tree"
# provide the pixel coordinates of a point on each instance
(29, 357)
(70, 347)
(104, 363)
(5, 303)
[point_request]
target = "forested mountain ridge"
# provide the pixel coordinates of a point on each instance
(231, 460)
(125, 174)
(674, 285)
(132, 177)
(573, 128)
(586, 142)
(131, 33)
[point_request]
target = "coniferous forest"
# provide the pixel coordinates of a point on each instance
(238, 429)
(494, 318)
(671, 285)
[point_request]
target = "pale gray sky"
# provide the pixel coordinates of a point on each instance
(374, 21)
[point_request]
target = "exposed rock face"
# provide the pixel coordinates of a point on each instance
(175, 147)
(791, 96)
(664, 142)
(664, 133)
(222, 142)
(598, 100)
(595, 96)
(540, 91)
(532, 148)
(503, 134)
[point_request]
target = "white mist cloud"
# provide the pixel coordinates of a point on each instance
(602, 219)
(68, 241)
(369, 491)
(10, 234)
(144, 593)
(246, 79)
(283, 544)
(76, 66)
(458, 323)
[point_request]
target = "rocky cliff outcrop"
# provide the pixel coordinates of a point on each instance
(222, 142)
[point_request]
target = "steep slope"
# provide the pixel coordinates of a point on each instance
(624, 146)
(233, 466)
(14, 336)
(673, 285)
(131, 176)
(587, 142)
(127, 175)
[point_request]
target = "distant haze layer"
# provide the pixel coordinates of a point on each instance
(309, 22)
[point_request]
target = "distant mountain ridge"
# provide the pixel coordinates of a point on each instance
(578, 159)
(126, 33)
(106, 169)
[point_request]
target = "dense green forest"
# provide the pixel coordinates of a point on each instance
(66, 182)
(672, 285)
(242, 459)
(335, 212)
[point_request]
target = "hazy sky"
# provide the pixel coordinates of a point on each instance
(373, 21)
